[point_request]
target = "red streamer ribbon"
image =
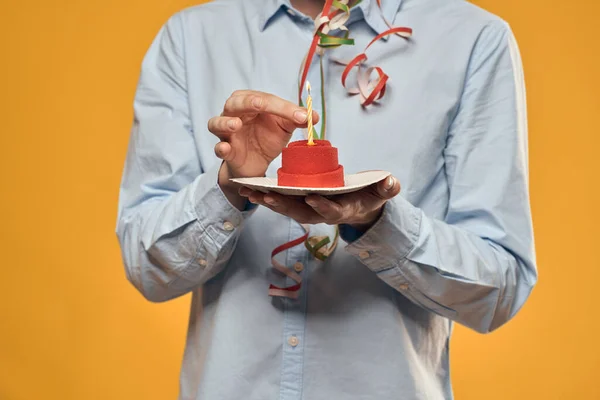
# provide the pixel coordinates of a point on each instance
(290, 291)
(315, 245)
(370, 90)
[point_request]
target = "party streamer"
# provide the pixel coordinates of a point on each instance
(334, 15)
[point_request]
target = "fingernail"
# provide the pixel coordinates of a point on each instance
(257, 102)
(231, 124)
(300, 116)
(389, 183)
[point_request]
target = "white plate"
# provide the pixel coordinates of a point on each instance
(353, 182)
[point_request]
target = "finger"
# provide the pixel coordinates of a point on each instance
(369, 198)
(259, 102)
(237, 93)
(245, 191)
(388, 188)
(224, 151)
(254, 196)
(331, 211)
(289, 126)
(292, 207)
(222, 127)
(241, 92)
(288, 206)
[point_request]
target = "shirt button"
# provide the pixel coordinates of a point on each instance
(293, 341)
(228, 226)
(202, 262)
(298, 267)
(403, 286)
(364, 255)
(291, 12)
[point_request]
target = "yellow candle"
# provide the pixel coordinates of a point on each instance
(309, 111)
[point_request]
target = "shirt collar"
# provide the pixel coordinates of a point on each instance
(367, 10)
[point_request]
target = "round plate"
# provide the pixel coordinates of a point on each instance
(353, 182)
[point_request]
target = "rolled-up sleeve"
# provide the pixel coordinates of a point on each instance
(477, 266)
(175, 226)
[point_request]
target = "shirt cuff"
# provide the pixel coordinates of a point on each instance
(391, 238)
(218, 218)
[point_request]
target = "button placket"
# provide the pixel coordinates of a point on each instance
(294, 324)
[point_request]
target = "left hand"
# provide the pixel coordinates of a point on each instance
(360, 209)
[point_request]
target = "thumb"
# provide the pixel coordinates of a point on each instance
(388, 188)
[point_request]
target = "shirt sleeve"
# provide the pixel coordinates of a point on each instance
(477, 266)
(175, 226)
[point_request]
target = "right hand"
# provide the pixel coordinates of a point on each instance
(254, 127)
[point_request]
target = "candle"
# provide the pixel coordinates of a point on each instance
(309, 111)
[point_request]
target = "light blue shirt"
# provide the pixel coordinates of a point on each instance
(374, 320)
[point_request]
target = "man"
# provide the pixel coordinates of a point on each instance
(373, 321)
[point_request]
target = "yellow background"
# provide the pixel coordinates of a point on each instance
(71, 326)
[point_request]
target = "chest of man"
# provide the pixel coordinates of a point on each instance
(404, 133)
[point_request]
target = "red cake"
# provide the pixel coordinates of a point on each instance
(314, 166)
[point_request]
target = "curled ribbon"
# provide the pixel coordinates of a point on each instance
(370, 90)
(316, 245)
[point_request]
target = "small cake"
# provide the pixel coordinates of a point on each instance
(313, 166)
